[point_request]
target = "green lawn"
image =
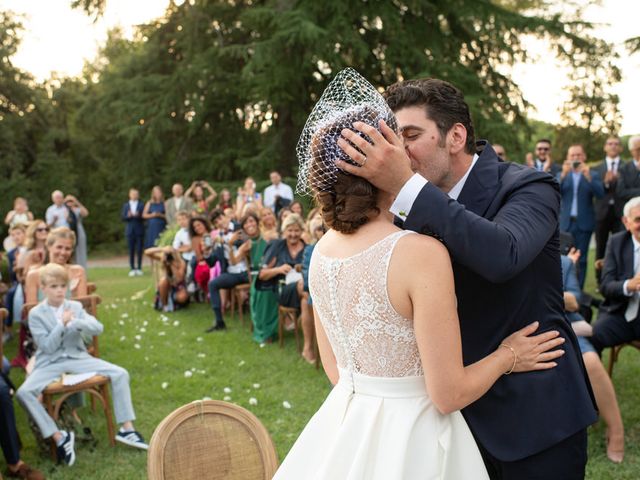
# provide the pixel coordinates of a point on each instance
(166, 349)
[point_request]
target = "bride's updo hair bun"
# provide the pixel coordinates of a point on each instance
(347, 201)
(351, 204)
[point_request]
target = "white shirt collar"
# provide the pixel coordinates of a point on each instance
(636, 244)
(457, 188)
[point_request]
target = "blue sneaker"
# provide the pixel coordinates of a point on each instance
(131, 438)
(65, 452)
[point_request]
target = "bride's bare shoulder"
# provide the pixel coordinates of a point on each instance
(416, 249)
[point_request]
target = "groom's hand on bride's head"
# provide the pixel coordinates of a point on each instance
(383, 161)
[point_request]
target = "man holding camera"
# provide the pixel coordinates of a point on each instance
(579, 186)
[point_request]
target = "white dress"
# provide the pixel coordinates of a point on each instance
(378, 422)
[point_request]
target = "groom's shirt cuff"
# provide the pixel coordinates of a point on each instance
(407, 195)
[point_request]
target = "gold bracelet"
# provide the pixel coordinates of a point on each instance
(515, 357)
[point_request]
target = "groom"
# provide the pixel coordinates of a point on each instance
(499, 222)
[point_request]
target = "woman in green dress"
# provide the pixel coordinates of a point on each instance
(263, 298)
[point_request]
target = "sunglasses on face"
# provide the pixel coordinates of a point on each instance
(543, 149)
(42, 229)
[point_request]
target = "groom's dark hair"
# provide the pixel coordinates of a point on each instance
(444, 104)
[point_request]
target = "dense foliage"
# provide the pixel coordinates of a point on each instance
(219, 89)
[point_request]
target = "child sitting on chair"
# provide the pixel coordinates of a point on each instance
(57, 326)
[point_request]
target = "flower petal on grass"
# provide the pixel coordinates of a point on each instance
(253, 401)
(164, 385)
(227, 398)
(256, 385)
(226, 390)
(188, 374)
(286, 405)
(136, 346)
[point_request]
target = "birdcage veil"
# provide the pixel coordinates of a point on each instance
(348, 98)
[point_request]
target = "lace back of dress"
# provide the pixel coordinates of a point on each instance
(366, 333)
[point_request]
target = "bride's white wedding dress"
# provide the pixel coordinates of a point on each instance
(378, 422)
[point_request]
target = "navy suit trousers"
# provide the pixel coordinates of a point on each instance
(582, 239)
(8, 433)
(135, 249)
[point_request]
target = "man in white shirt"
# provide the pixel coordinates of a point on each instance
(278, 194)
(57, 214)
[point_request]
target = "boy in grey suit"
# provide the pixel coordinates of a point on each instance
(57, 326)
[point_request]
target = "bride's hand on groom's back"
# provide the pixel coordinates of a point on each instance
(534, 352)
(384, 163)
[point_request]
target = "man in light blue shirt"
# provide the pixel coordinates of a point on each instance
(579, 187)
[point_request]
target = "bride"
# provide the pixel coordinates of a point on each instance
(387, 326)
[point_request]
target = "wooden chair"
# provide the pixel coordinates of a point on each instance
(615, 353)
(292, 314)
(97, 386)
(213, 440)
(238, 295)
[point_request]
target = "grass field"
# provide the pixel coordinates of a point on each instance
(158, 350)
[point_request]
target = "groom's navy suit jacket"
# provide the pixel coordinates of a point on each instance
(502, 235)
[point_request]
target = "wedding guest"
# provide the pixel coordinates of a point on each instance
(237, 248)
(247, 194)
(600, 381)
(198, 198)
(202, 247)
(296, 207)
(500, 151)
(608, 208)
(579, 186)
(79, 211)
(59, 250)
(131, 214)
(268, 225)
(179, 202)
(19, 214)
(278, 194)
(60, 245)
(628, 185)
(9, 440)
(308, 235)
(543, 161)
(32, 257)
(171, 290)
(17, 233)
(280, 259)
(154, 214)
(282, 216)
(57, 214)
(315, 227)
(58, 325)
(225, 200)
(263, 298)
(618, 321)
(182, 240)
